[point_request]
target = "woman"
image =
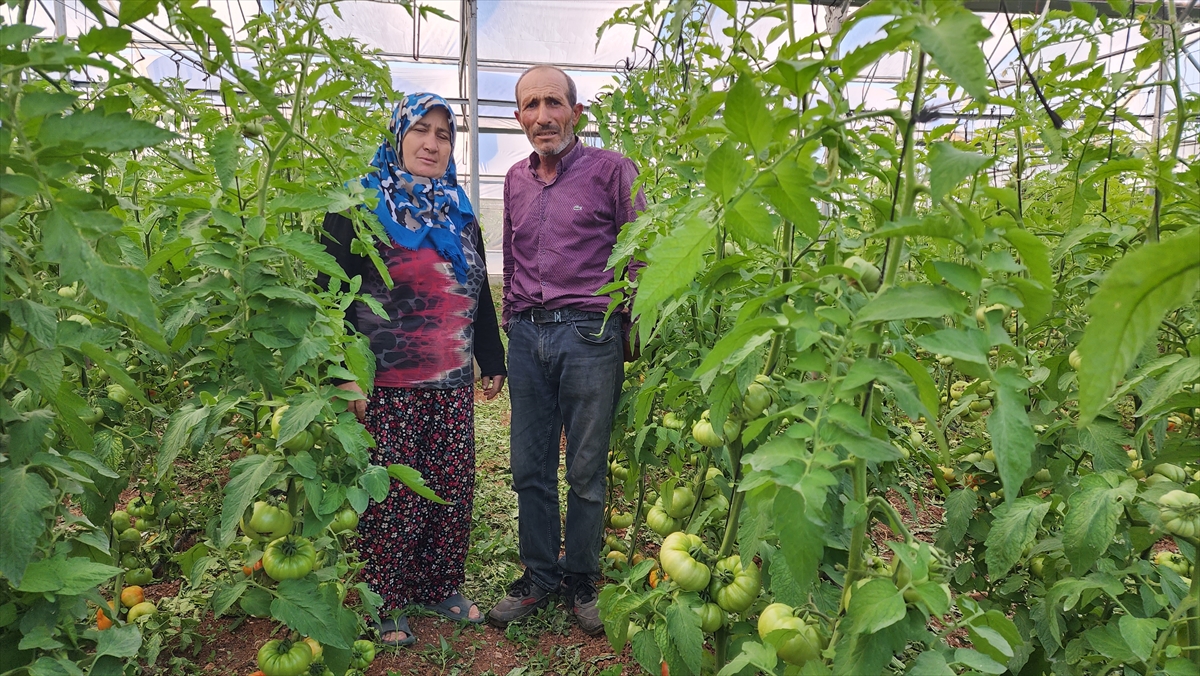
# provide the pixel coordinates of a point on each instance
(421, 412)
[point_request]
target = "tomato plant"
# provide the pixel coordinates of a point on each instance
(159, 249)
(851, 310)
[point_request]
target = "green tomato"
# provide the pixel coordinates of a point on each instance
(118, 394)
(301, 442)
(682, 500)
(677, 557)
(289, 558)
(672, 421)
(317, 430)
(267, 522)
(139, 576)
(1075, 360)
(284, 658)
(711, 618)
(1038, 567)
(129, 539)
(276, 419)
(703, 433)
(345, 520)
(81, 320)
(1174, 561)
(719, 504)
(660, 522)
(757, 399)
(620, 520)
(867, 272)
(67, 292)
(800, 640)
(735, 587)
(1180, 512)
(140, 508)
(143, 609)
(120, 520)
(1173, 472)
(129, 561)
(362, 654)
(710, 483)
(95, 416)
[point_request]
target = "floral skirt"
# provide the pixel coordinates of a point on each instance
(414, 549)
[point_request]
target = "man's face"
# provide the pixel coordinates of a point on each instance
(544, 114)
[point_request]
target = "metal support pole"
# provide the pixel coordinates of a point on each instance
(472, 35)
(60, 18)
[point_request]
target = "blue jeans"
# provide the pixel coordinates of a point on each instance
(562, 374)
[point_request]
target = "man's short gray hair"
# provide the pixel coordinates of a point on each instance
(572, 93)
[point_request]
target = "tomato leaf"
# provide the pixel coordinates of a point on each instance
(930, 663)
(646, 651)
(747, 220)
(753, 654)
(1015, 528)
(724, 170)
(315, 611)
(960, 507)
(248, 476)
(675, 261)
(801, 542)
(1135, 295)
(1091, 520)
(1013, 440)
(38, 320)
(92, 129)
(948, 166)
(65, 576)
(912, 302)
(413, 479)
(875, 606)
(954, 44)
(23, 496)
(746, 114)
(122, 641)
(184, 429)
(684, 626)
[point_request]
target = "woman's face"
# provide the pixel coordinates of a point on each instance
(425, 148)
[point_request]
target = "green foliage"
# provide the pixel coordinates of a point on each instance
(772, 198)
(159, 252)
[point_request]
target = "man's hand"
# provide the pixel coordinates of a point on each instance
(359, 406)
(491, 386)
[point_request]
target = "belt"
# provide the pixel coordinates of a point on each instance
(539, 315)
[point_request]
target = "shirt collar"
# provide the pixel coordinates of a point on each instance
(563, 164)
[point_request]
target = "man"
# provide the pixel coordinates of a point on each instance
(563, 209)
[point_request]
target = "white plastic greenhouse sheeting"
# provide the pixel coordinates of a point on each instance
(516, 33)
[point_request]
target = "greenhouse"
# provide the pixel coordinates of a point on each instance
(749, 337)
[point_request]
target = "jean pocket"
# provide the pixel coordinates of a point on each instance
(595, 332)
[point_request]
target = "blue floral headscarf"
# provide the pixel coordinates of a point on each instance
(420, 212)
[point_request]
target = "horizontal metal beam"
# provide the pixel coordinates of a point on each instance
(1016, 6)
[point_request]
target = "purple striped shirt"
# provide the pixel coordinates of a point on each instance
(558, 235)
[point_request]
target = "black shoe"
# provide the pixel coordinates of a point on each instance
(580, 594)
(524, 598)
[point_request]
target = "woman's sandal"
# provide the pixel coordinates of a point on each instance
(456, 600)
(391, 625)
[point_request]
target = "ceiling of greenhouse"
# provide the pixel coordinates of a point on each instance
(424, 54)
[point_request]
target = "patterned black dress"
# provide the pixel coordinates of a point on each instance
(422, 410)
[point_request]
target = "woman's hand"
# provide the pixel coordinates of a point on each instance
(491, 386)
(359, 406)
